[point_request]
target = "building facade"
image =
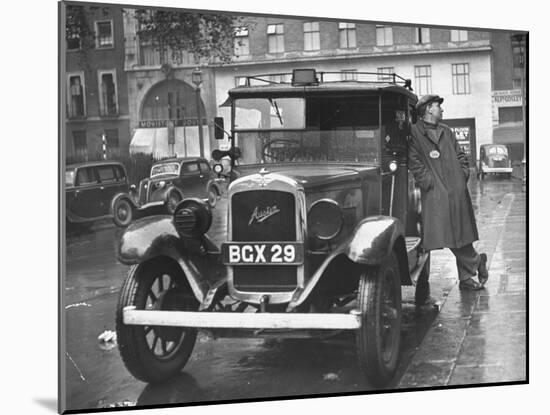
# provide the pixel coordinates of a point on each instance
(97, 116)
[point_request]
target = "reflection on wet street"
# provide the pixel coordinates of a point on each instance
(240, 368)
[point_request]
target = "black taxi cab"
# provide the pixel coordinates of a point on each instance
(323, 229)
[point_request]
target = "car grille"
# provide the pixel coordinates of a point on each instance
(499, 163)
(144, 189)
(248, 210)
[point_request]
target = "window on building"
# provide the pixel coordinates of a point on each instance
(385, 73)
(73, 41)
(510, 114)
(242, 44)
(384, 35)
(275, 38)
(347, 34)
(518, 61)
(79, 141)
(76, 99)
(104, 34)
(108, 99)
(461, 78)
(174, 100)
(240, 80)
(423, 79)
(459, 35)
(349, 74)
(312, 39)
(111, 136)
(422, 35)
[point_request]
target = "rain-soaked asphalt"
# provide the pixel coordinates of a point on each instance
(225, 368)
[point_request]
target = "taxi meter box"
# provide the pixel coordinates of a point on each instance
(323, 229)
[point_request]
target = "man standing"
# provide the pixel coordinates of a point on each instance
(441, 170)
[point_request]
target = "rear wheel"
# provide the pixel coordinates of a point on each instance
(122, 212)
(379, 338)
(154, 353)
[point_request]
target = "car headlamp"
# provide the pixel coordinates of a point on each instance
(218, 168)
(192, 218)
(325, 219)
(393, 166)
(161, 184)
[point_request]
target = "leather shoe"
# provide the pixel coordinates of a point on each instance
(470, 284)
(482, 272)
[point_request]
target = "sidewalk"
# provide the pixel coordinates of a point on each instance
(480, 337)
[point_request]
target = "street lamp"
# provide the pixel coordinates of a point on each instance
(196, 78)
(520, 39)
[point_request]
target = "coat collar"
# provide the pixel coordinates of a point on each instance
(423, 130)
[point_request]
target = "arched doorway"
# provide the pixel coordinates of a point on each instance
(168, 123)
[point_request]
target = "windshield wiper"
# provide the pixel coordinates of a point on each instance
(274, 105)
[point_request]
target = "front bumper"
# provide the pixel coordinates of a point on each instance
(496, 169)
(224, 320)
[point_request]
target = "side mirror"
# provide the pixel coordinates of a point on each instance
(218, 128)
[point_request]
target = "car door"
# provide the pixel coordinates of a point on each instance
(86, 194)
(108, 186)
(190, 179)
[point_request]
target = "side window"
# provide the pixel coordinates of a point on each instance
(85, 176)
(120, 174)
(106, 174)
(205, 167)
(189, 169)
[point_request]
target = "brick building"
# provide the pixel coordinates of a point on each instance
(95, 93)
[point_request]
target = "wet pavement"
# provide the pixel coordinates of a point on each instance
(466, 343)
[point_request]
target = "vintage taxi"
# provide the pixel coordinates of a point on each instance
(494, 159)
(323, 229)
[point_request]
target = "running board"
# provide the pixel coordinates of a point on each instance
(197, 319)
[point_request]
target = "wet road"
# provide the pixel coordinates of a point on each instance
(223, 369)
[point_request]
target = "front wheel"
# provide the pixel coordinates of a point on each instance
(172, 201)
(122, 212)
(153, 353)
(213, 196)
(378, 340)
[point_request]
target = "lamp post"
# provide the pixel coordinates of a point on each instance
(196, 78)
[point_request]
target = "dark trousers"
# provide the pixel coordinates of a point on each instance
(467, 261)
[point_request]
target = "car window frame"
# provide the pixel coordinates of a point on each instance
(89, 184)
(194, 173)
(114, 180)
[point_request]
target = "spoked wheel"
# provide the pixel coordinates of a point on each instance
(153, 353)
(174, 197)
(122, 212)
(379, 337)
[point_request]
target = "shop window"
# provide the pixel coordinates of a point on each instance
(423, 79)
(108, 100)
(104, 34)
(510, 114)
(461, 78)
(275, 38)
(312, 39)
(347, 35)
(384, 36)
(76, 98)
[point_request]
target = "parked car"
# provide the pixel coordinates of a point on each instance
(323, 229)
(97, 190)
(493, 158)
(172, 180)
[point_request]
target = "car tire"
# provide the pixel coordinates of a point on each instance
(172, 200)
(213, 196)
(422, 288)
(122, 212)
(158, 285)
(379, 301)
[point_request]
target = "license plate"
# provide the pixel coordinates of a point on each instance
(263, 253)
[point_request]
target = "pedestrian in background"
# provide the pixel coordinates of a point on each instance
(441, 170)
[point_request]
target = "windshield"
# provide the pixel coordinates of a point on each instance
(270, 114)
(335, 129)
(165, 168)
(497, 150)
(69, 178)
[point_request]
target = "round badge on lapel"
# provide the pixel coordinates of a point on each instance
(434, 154)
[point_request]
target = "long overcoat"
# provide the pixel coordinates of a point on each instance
(441, 170)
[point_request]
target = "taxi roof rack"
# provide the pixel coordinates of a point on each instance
(310, 77)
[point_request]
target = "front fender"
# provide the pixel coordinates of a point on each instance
(121, 195)
(373, 239)
(156, 236)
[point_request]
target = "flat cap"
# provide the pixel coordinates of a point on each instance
(425, 100)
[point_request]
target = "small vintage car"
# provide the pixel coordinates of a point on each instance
(323, 229)
(493, 158)
(97, 190)
(171, 180)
